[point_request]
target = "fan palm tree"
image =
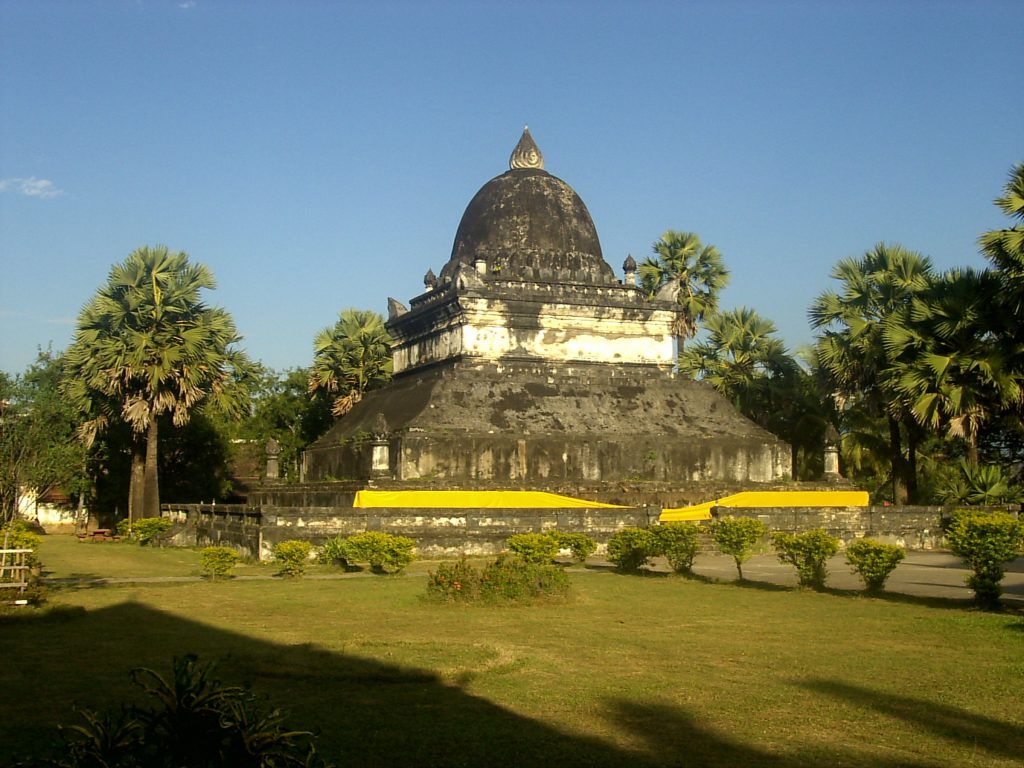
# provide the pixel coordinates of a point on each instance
(688, 271)
(851, 350)
(350, 358)
(1005, 247)
(947, 361)
(147, 345)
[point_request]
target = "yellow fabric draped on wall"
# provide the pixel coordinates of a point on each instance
(475, 500)
(781, 499)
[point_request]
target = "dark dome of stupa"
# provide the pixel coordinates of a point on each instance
(529, 225)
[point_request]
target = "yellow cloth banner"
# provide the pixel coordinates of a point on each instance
(768, 499)
(475, 500)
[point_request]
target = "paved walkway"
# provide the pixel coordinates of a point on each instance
(921, 574)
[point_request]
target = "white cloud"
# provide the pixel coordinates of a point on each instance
(31, 187)
(187, 4)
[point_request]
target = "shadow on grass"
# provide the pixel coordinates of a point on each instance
(982, 733)
(371, 713)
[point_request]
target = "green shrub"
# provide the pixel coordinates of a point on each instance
(874, 561)
(385, 552)
(217, 561)
(19, 535)
(293, 556)
(510, 579)
(534, 547)
(808, 552)
(144, 530)
(335, 552)
(737, 536)
(679, 543)
(632, 548)
(581, 545)
(985, 541)
(195, 721)
(457, 582)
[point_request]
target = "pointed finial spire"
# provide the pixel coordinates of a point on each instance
(527, 153)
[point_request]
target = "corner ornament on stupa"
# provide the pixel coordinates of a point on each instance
(526, 154)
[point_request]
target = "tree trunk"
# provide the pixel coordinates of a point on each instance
(137, 483)
(151, 503)
(912, 440)
(899, 489)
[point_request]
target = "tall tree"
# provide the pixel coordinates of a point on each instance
(350, 358)
(851, 351)
(1005, 249)
(146, 344)
(685, 270)
(947, 360)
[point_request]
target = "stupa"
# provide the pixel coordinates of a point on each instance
(526, 363)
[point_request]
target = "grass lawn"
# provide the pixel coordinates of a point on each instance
(638, 671)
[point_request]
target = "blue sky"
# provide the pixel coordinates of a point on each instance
(319, 155)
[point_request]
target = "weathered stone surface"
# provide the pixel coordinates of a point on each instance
(536, 426)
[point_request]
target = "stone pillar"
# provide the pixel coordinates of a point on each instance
(273, 450)
(481, 265)
(832, 454)
(380, 448)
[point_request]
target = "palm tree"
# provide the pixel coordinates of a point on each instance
(688, 272)
(851, 350)
(739, 351)
(350, 358)
(1005, 247)
(948, 362)
(147, 345)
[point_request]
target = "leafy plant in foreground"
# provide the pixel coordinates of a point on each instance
(808, 552)
(196, 721)
(874, 561)
(737, 536)
(985, 541)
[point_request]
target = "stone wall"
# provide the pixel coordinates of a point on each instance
(910, 527)
(316, 514)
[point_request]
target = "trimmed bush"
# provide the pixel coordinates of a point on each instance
(217, 561)
(985, 541)
(737, 536)
(679, 543)
(385, 552)
(808, 552)
(874, 561)
(457, 582)
(145, 530)
(510, 579)
(581, 545)
(632, 548)
(293, 556)
(537, 548)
